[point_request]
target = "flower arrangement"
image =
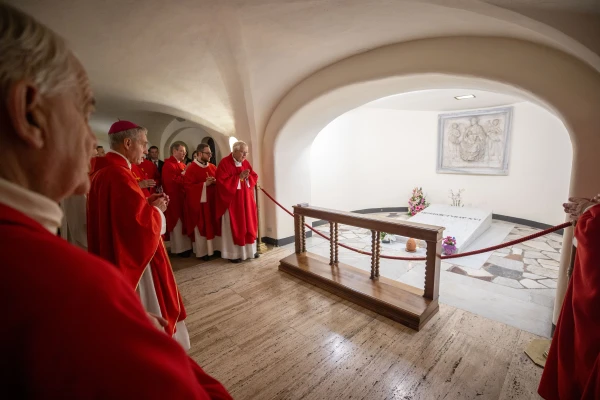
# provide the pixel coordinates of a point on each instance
(449, 241)
(417, 202)
(449, 245)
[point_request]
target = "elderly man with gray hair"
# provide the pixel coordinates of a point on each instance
(74, 327)
(236, 206)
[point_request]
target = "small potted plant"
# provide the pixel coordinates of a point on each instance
(449, 245)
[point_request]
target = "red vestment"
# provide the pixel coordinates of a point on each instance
(79, 331)
(172, 182)
(237, 196)
(139, 176)
(124, 229)
(200, 215)
(151, 172)
(572, 369)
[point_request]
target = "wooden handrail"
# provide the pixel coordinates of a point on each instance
(431, 234)
(394, 227)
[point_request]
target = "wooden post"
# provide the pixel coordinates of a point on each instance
(331, 245)
(303, 230)
(373, 253)
(432, 269)
(378, 254)
(297, 242)
(336, 248)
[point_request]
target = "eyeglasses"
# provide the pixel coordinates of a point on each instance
(206, 152)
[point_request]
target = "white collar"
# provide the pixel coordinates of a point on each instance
(237, 163)
(116, 152)
(37, 207)
(200, 164)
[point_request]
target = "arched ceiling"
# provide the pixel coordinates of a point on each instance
(226, 64)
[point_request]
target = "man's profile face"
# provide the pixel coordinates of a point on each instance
(179, 153)
(100, 151)
(70, 141)
(205, 155)
(153, 154)
(139, 148)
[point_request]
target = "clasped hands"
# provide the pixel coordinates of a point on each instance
(210, 180)
(159, 200)
(577, 205)
(244, 175)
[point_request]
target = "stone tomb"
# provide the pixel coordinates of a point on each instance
(464, 223)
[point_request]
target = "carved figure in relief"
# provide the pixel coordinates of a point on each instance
(495, 135)
(473, 144)
(454, 138)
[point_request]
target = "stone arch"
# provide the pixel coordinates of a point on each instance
(563, 84)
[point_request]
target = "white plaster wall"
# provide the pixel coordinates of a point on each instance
(369, 158)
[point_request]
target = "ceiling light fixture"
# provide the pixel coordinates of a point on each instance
(466, 96)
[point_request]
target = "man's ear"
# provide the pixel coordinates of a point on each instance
(24, 106)
(127, 143)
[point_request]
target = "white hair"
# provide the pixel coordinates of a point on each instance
(30, 50)
(118, 138)
(239, 146)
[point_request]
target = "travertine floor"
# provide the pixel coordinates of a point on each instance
(266, 335)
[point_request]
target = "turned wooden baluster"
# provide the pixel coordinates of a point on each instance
(303, 230)
(297, 240)
(373, 253)
(336, 249)
(378, 254)
(331, 256)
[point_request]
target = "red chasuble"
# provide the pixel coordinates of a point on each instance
(172, 182)
(140, 175)
(240, 202)
(200, 215)
(573, 366)
(79, 331)
(124, 229)
(151, 172)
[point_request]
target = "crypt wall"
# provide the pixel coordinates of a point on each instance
(373, 157)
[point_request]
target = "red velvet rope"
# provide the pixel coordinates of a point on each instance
(470, 253)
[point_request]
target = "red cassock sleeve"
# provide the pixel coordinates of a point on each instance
(123, 227)
(571, 370)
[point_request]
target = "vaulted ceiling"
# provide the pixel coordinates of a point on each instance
(226, 64)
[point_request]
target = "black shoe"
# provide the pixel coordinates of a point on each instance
(236, 261)
(185, 254)
(256, 255)
(206, 258)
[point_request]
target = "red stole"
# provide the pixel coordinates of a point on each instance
(124, 229)
(200, 215)
(240, 202)
(573, 366)
(139, 176)
(172, 181)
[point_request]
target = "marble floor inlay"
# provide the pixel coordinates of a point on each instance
(493, 284)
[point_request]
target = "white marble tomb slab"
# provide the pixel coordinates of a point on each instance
(464, 223)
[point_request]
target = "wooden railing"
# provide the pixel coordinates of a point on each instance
(381, 291)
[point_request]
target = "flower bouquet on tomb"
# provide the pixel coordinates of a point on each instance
(417, 202)
(449, 245)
